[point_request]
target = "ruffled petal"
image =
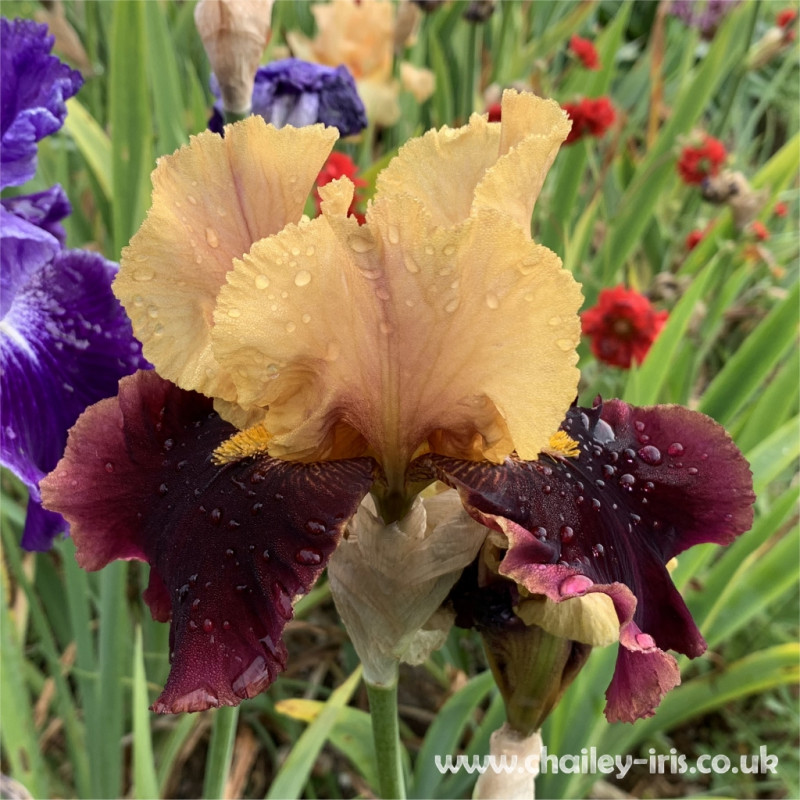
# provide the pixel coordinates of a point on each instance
(373, 329)
(647, 484)
(456, 172)
(64, 344)
(211, 201)
(229, 546)
(33, 91)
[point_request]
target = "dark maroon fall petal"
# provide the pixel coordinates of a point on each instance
(229, 546)
(648, 483)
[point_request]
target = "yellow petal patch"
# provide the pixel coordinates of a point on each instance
(590, 619)
(251, 442)
(383, 337)
(211, 201)
(455, 172)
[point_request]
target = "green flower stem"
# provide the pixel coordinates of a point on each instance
(220, 750)
(386, 733)
(235, 116)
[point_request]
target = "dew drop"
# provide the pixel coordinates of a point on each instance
(315, 527)
(645, 641)
(109, 466)
(295, 251)
(212, 238)
(359, 244)
(429, 250)
(692, 471)
(382, 293)
(492, 300)
(144, 274)
(528, 298)
(303, 278)
(639, 425)
(546, 489)
(262, 281)
(411, 265)
(216, 515)
(306, 318)
(195, 604)
(265, 555)
(675, 449)
(283, 601)
(308, 557)
(449, 249)
(291, 327)
(394, 234)
(451, 306)
(598, 550)
(333, 351)
(565, 344)
(310, 250)
(158, 330)
(576, 584)
(385, 328)
(208, 625)
(554, 321)
(192, 626)
(596, 505)
(192, 199)
(627, 480)
(234, 313)
(272, 370)
(163, 489)
(650, 455)
(226, 626)
(540, 533)
(138, 301)
(567, 534)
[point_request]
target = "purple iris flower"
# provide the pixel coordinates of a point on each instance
(64, 339)
(706, 17)
(298, 93)
(33, 91)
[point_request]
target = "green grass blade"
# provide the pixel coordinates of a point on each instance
(131, 126)
(92, 142)
(220, 751)
(170, 747)
(17, 734)
(145, 783)
(749, 367)
(651, 375)
(165, 87)
(293, 774)
(446, 731)
(774, 454)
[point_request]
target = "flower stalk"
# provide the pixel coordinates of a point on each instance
(386, 735)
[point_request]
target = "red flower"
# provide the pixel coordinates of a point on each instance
(622, 326)
(785, 18)
(759, 231)
(781, 209)
(585, 51)
(494, 111)
(590, 116)
(698, 162)
(694, 239)
(340, 165)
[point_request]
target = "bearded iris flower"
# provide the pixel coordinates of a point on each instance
(64, 339)
(304, 364)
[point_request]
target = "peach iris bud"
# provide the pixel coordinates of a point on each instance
(234, 34)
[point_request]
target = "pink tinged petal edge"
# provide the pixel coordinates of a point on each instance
(229, 546)
(649, 483)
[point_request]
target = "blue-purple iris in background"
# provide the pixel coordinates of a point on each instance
(298, 93)
(64, 339)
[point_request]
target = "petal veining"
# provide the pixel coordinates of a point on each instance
(211, 201)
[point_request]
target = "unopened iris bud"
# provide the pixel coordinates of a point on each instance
(234, 34)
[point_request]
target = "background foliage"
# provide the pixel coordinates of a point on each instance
(81, 658)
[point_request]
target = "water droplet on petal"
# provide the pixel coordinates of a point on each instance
(262, 281)
(675, 449)
(411, 265)
(645, 641)
(226, 626)
(192, 199)
(359, 244)
(692, 471)
(576, 584)
(144, 274)
(306, 318)
(394, 234)
(208, 625)
(234, 313)
(382, 293)
(109, 466)
(451, 306)
(627, 480)
(567, 534)
(315, 527)
(333, 351)
(303, 278)
(565, 344)
(449, 249)
(212, 238)
(283, 601)
(639, 425)
(308, 557)
(291, 327)
(650, 455)
(492, 300)
(554, 321)
(216, 515)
